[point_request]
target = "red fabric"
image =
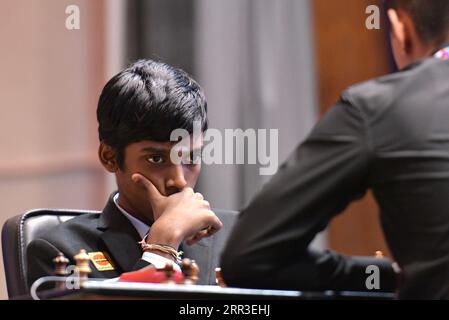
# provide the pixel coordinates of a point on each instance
(150, 275)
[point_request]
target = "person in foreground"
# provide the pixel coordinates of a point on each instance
(137, 111)
(390, 135)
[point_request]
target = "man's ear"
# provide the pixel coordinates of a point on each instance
(398, 30)
(404, 31)
(107, 156)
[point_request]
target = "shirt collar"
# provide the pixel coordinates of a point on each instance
(443, 52)
(141, 228)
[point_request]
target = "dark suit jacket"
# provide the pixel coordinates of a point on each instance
(112, 233)
(390, 135)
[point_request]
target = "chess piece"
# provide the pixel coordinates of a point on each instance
(186, 268)
(219, 278)
(82, 265)
(61, 263)
(379, 254)
(168, 271)
(194, 272)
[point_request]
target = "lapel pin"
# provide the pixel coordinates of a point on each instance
(100, 261)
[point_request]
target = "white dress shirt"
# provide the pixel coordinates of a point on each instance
(143, 229)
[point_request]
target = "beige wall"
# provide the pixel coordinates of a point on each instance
(50, 79)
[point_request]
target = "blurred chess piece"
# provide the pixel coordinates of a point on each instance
(219, 278)
(186, 268)
(82, 265)
(194, 272)
(379, 254)
(168, 271)
(190, 271)
(60, 262)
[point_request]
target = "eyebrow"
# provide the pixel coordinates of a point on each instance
(164, 150)
(155, 149)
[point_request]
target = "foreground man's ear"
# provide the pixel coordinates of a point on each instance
(107, 156)
(397, 29)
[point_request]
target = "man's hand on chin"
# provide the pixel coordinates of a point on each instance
(183, 216)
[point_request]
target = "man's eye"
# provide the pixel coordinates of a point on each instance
(192, 158)
(156, 159)
(195, 157)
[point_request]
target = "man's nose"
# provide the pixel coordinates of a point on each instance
(176, 179)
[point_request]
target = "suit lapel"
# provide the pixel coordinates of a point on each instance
(119, 237)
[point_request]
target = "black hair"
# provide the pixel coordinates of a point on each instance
(431, 18)
(147, 101)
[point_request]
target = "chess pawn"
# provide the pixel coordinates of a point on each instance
(379, 254)
(219, 278)
(82, 265)
(186, 268)
(168, 271)
(194, 270)
(60, 262)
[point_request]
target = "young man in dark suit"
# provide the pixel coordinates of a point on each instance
(137, 111)
(390, 135)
